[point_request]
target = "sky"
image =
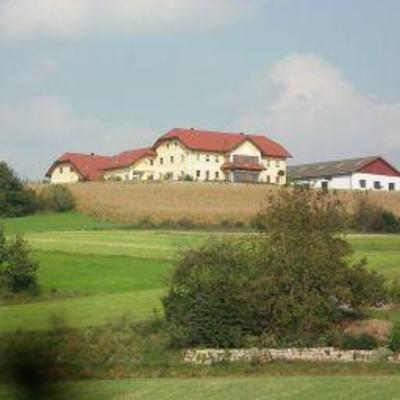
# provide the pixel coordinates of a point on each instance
(319, 76)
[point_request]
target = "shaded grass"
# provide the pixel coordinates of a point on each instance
(48, 222)
(299, 388)
(80, 312)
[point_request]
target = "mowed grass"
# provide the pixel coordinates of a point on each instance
(271, 388)
(93, 273)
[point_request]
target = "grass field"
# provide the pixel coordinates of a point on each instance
(94, 272)
(91, 272)
(271, 388)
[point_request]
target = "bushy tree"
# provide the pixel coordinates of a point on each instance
(56, 198)
(294, 280)
(18, 272)
(15, 199)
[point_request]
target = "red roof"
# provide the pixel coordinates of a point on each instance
(222, 142)
(89, 166)
(128, 158)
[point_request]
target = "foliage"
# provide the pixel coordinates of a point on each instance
(206, 303)
(394, 340)
(15, 199)
(295, 280)
(18, 273)
(361, 342)
(56, 198)
(370, 217)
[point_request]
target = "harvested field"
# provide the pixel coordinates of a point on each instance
(202, 204)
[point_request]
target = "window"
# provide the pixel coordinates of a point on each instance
(216, 159)
(392, 186)
(207, 157)
(277, 163)
(277, 179)
(161, 161)
(182, 158)
(207, 175)
(198, 157)
(71, 169)
(216, 175)
(151, 162)
(268, 163)
(167, 145)
(268, 178)
(363, 183)
(324, 185)
(61, 170)
(377, 185)
(198, 173)
(172, 159)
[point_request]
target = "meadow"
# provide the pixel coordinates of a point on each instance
(95, 272)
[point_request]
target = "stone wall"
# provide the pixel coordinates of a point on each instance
(322, 354)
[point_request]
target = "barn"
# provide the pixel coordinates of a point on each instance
(368, 173)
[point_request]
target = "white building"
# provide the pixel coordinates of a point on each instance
(183, 154)
(370, 173)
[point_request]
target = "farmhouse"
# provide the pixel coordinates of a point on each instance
(183, 154)
(370, 173)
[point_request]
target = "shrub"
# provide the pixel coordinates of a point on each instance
(295, 282)
(394, 340)
(361, 342)
(369, 217)
(18, 273)
(56, 198)
(15, 199)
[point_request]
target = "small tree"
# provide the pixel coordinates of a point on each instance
(18, 273)
(56, 198)
(15, 199)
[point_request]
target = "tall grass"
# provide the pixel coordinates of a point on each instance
(186, 204)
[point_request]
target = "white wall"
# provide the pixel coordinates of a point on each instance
(352, 182)
(64, 173)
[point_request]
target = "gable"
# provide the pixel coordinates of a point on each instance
(380, 167)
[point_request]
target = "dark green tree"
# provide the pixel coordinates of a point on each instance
(15, 199)
(18, 272)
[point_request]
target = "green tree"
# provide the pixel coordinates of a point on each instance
(15, 199)
(18, 272)
(295, 280)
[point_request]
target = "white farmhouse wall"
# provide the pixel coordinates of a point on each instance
(370, 179)
(141, 170)
(64, 173)
(352, 182)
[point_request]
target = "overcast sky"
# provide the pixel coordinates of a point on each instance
(320, 76)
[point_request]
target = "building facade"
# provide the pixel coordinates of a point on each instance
(371, 173)
(185, 154)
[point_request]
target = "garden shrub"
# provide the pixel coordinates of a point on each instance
(56, 198)
(394, 340)
(361, 342)
(369, 217)
(16, 200)
(294, 282)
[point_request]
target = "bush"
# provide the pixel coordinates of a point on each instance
(296, 282)
(15, 199)
(18, 273)
(362, 342)
(369, 217)
(56, 198)
(394, 340)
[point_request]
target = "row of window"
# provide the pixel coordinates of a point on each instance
(377, 185)
(61, 169)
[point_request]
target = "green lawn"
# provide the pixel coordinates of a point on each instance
(91, 271)
(271, 388)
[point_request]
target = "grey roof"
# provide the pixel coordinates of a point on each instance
(330, 168)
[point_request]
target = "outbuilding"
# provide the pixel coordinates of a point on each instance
(368, 173)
